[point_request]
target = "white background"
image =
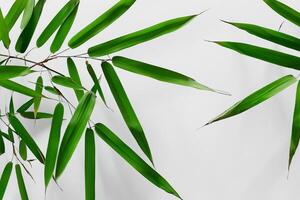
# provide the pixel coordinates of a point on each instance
(244, 157)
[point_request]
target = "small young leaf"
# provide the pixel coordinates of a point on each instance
(38, 115)
(2, 145)
(133, 159)
(75, 77)
(11, 85)
(23, 150)
(15, 12)
(257, 97)
(21, 184)
(4, 31)
(74, 131)
(53, 142)
(138, 37)
(89, 160)
(100, 23)
(66, 82)
(126, 109)
(25, 106)
(37, 100)
(5, 178)
(27, 13)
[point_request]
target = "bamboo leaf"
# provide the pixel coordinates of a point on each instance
(102, 22)
(285, 11)
(2, 145)
(270, 35)
(89, 160)
(27, 13)
(158, 73)
(23, 150)
(52, 90)
(11, 135)
(138, 37)
(257, 97)
(74, 131)
(126, 109)
(75, 77)
(53, 142)
(38, 115)
(5, 178)
(11, 85)
(25, 106)
(37, 100)
(11, 106)
(8, 72)
(56, 22)
(27, 33)
(63, 31)
(15, 12)
(25, 136)
(133, 159)
(66, 82)
(4, 31)
(21, 184)
(268, 55)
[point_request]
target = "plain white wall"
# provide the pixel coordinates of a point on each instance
(244, 157)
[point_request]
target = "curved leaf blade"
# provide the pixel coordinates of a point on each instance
(23, 150)
(27, 13)
(66, 82)
(89, 163)
(75, 77)
(4, 31)
(23, 108)
(15, 12)
(5, 178)
(21, 184)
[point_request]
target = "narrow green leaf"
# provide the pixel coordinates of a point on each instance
(5, 178)
(270, 35)
(25, 106)
(126, 108)
(52, 90)
(21, 184)
(74, 131)
(2, 145)
(96, 81)
(8, 72)
(27, 33)
(102, 22)
(6, 136)
(138, 37)
(66, 82)
(89, 160)
(63, 31)
(11, 135)
(56, 22)
(11, 106)
(285, 11)
(23, 150)
(264, 54)
(133, 159)
(15, 12)
(158, 73)
(38, 115)
(37, 100)
(53, 142)
(257, 97)
(25, 136)
(11, 85)
(4, 31)
(75, 77)
(27, 13)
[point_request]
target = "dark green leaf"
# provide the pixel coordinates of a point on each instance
(38, 115)
(11, 85)
(25, 136)
(4, 31)
(66, 82)
(53, 142)
(21, 184)
(75, 77)
(37, 100)
(138, 37)
(126, 109)
(2, 145)
(23, 150)
(257, 97)
(5, 178)
(15, 12)
(8, 72)
(11, 106)
(27, 13)
(133, 159)
(100, 23)
(11, 135)
(89, 160)
(25, 106)
(74, 131)
(7, 136)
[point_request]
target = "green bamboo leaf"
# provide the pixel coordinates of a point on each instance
(11, 135)
(296, 127)
(4, 31)
(96, 81)
(257, 97)
(37, 100)
(66, 82)
(23, 108)
(75, 77)
(2, 145)
(285, 11)
(74, 131)
(102, 22)
(63, 31)
(158, 73)
(53, 142)
(6, 136)
(138, 37)
(23, 150)
(38, 115)
(126, 109)
(56, 22)
(52, 90)
(25, 136)
(27, 13)
(5, 178)
(15, 12)
(27, 33)
(21, 184)
(8, 72)
(133, 159)
(269, 34)
(90, 163)
(268, 55)
(11, 106)
(11, 85)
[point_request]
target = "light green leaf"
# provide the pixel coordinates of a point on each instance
(11, 85)
(74, 131)
(100, 23)
(38, 115)
(257, 97)
(138, 37)
(133, 159)
(21, 184)
(15, 12)
(52, 90)
(25, 106)
(37, 100)
(75, 77)
(126, 109)
(53, 143)
(23, 150)
(89, 161)
(5, 178)
(4, 31)
(2, 145)
(66, 82)
(27, 13)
